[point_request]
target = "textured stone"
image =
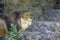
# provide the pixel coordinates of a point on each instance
(52, 15)
(42, 31)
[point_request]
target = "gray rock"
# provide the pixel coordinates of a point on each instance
(42, 31)
(52, 15)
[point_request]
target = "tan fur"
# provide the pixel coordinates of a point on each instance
(25, 17)
(2, 27)
(11, 18)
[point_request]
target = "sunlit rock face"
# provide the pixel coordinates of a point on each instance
(52, 15)
(42, 31)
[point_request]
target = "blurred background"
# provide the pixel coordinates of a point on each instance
(45, 14)
(40, 9)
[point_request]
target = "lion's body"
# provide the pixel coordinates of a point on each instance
(2, 26)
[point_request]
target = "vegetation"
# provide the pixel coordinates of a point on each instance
(36, 7)
(13, 34)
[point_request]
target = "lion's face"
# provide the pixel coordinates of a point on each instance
(26, 15)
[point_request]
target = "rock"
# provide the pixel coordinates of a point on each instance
(42, 31)
(52, 15)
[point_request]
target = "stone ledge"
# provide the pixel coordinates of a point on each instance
(40, 30)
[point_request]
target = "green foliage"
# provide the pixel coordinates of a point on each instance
(13, 35)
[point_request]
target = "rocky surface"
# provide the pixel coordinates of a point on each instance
(52, 15)
(42, 31)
